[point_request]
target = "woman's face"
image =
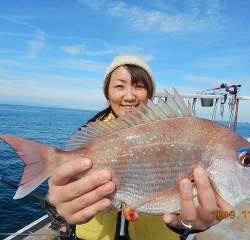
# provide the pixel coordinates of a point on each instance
(122, 94)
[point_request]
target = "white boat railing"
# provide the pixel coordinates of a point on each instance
(234, 101)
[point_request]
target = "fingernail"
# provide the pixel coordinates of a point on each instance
(105, 204)
(108, 187)
(85, 163)
(201, 174)
(186, 186)
(104, 176)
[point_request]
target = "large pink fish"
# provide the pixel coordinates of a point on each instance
(148, 152)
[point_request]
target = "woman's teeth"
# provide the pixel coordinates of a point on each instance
(129, 107)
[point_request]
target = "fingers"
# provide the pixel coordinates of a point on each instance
(87, 199)
(170, 219)
(84, 185)
(88, 213)
(81, 200)
(62, 174)
(205, 191)
(201, 217)
(207, 199)
(188, 209)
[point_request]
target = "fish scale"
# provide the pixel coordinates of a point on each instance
(166, 149)
(148, 152)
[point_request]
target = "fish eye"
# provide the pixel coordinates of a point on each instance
(244, 158)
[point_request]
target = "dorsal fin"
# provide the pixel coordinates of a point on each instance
(165, 108)
(173, 105)
(152, 112)
(134, 119)
(140, 114)
(156, 110)
(191, 110)
(181, 103)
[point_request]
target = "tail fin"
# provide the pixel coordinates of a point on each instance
(35, 157)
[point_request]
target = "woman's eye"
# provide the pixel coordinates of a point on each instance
(119, 86)
(139, 86)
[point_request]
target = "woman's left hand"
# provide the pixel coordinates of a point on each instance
(201, 217)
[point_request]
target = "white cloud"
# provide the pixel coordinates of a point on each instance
(2, 70)
(49, 36)
(201, 79)
(146, 57)
(35, 48)
(216, 82)
(17, 34)
(223, 61)
(118, 8)
(196, 15)
(102, 52)
(69, 80)
(81, 49)
(211, 80)
(108, 49)
(13, 63)
(80, 64)
(39, 33)
(94, 4)
(46, 93)
(73, 50)
(180, 89)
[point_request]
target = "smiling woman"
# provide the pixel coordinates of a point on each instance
(128, 85)
(123, 94)
(128, 82)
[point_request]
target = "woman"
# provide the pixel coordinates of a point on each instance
(127, 82)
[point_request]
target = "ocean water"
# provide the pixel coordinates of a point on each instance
(47, 125)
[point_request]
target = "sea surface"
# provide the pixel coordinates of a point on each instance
(52, 126)
(43, 124)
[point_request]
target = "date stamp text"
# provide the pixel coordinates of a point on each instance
(231, 214)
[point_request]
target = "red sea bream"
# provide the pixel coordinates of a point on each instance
(148, 152)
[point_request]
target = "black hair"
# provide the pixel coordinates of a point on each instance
(101, 115)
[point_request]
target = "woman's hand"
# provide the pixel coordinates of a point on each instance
(79, 201)
(209, 201)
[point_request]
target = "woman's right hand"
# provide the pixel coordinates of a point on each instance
(81, 200)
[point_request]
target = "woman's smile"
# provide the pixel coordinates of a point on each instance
(123, 95)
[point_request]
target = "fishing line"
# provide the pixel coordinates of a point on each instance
(17, 180)
(32, 234)
(27, 204)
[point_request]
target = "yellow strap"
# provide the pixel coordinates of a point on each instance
(111, 115)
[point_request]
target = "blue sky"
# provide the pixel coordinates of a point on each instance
(55, 52)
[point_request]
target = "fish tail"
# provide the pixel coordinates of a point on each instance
(36, 159)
